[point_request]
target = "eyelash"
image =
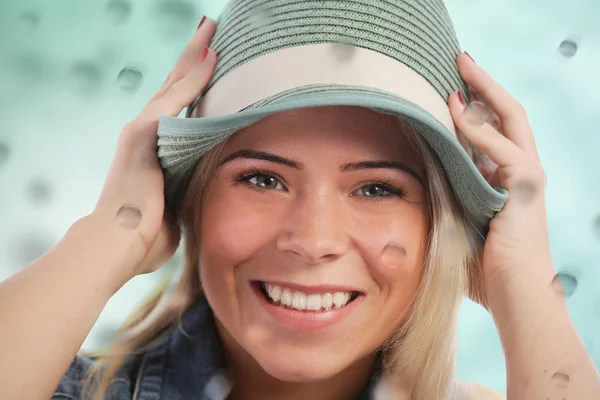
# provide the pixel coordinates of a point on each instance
(245, 176)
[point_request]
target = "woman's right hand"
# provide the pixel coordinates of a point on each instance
(133, 193)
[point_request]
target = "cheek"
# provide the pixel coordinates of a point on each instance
(397, 269)
(225, 225)
(225, 244)
(400, 264)
(400, 253)
(399, 276)
(216, 253)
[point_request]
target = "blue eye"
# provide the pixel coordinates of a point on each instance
(272, 181)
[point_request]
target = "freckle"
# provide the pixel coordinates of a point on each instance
(129, 217)
(393, 254)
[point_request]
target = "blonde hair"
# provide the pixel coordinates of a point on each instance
(420, 359)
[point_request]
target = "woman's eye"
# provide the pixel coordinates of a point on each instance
(262, 182)
(376, 189)
(266, 183)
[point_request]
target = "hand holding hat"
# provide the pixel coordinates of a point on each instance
(518, 235)
(133, 193)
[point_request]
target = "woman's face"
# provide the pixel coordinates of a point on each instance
(314, 231)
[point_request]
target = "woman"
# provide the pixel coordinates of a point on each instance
(327, 247)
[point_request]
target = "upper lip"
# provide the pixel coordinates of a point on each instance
(313, 289)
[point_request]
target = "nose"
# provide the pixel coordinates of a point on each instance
(316, 230)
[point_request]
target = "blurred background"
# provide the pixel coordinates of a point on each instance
(73, 72)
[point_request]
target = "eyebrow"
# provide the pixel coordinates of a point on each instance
(371, 164)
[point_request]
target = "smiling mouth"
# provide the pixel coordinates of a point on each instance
(299, 301)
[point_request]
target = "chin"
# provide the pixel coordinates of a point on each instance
(299, 369)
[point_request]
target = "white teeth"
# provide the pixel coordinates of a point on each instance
(313, 302)
(339, 299)
(275, 292)
(286, 297)
(327, 300)
(301, 301)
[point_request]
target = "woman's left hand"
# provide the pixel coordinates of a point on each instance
(517, 247)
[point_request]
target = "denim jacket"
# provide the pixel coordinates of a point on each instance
(185, 364)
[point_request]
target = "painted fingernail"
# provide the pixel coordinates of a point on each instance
(203, 53)
(461, 98)
(201, 22)
(470, 57)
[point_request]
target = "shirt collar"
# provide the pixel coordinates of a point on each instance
(198, 363)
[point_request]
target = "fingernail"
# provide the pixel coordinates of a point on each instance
(203, 53)
(470, 57)
(461, 98)
(201, 22)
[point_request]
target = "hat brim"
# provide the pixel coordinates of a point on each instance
(183, 141)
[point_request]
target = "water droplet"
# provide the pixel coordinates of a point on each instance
(260, 16)
(477, 113)
(31, 66)
(87, 77)
(564, 283)
(130, 79)
(343, 51)
(218, 387)
(31, 18)
(560, 379)
(129, 217)
(39, 190)
(174, 18)
(30, 247)
(568, 48)
(524, 191)
(119, 11)
(393, 254)
(4, 153)
(388, 389)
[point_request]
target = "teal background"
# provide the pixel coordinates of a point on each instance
(72, 73)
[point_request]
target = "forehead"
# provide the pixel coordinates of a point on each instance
(345, 132)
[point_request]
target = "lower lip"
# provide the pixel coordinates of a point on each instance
(305, 321)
